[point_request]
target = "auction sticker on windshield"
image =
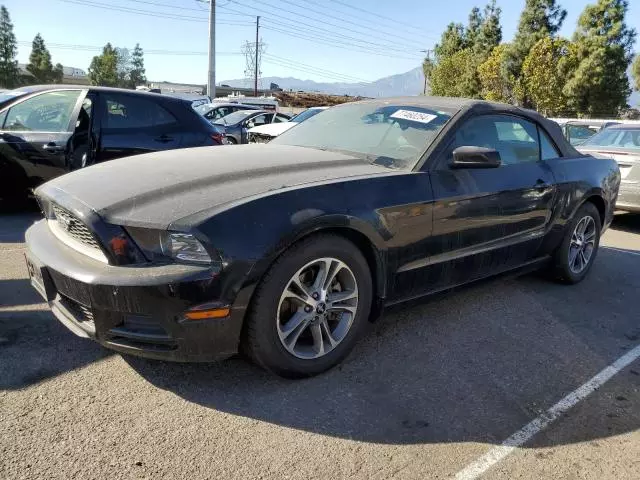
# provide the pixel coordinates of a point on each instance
(413, 116)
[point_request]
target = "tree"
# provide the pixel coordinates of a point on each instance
(490, 34)
(9, 71)
(494, 86)
(452, 41)
(58, 73)
(454, 75)
(599, 85)
(137, 74)
(635, 72)
(472, 32)
(539, 19)
(40, 65)
(544, 74)
(123, 66)
(104, 68)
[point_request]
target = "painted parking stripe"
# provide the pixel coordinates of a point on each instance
(526, 433)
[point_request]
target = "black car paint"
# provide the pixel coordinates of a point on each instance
(422, 231)
(30, 158)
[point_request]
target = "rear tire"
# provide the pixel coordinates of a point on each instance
(231, 141)
(579, 247)
(310, 308)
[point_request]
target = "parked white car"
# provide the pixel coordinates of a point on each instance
(266, 133)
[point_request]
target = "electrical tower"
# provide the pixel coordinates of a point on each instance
(253, 58)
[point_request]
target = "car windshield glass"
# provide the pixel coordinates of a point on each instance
(391, 135)
(307, 114)
(615, 137)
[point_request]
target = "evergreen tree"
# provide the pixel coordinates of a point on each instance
(123, 67)
(490, 34)
(539, 19)
(137, 74)
(9, 71)
(545, 72)
(454, 76)
(635, 72)
(40, 65)
(452, 41)
(472, 32)
(104, 68)
(58, 73)
(494, 86)
(600, 85)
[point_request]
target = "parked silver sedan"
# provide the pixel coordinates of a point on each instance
(621, 142)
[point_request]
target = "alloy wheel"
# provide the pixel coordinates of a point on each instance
(582, 244)
(317, 308)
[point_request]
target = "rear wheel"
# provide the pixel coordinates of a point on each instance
(579, 248)
(231, 141)
(310, 308)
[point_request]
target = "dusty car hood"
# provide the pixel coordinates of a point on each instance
(273, 129)
(156, 189)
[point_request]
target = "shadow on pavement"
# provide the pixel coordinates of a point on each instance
(12, 227)
(476, 365)
(18, 291)
(627, 222)
(34, 346)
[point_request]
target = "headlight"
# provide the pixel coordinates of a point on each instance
(159, 245)
(184, 247)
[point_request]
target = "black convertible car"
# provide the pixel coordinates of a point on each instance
(287, 250)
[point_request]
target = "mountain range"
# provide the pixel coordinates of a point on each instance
(408, 83)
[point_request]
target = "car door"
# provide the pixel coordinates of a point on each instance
(35, 138)
(255, 121)
(133, 124)
(490, 219)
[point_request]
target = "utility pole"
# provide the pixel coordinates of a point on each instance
(427, 59)
(255, 79)
(211, 79)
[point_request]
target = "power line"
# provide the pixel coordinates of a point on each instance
(96, 48)
(336, 44)
(388, 47)
(360, 25)
(147, 13)
(362, 10)
(318, 70)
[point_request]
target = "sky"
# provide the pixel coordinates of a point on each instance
(321, 40)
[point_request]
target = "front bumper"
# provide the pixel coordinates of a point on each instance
(629, 197)
(132, 309)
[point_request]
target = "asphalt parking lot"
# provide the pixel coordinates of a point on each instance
(432, 389)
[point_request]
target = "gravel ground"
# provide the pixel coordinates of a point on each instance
(429, 390)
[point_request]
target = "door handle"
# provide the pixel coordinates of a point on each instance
(164, 139)
(541, 185)
(53, 148)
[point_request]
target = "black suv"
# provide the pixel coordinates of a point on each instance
(48, 130)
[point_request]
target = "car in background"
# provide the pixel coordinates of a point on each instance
(238, 123)
(48, 130)
(622, 143)
(266, 133)
(579, 130)
(286, 251)
(215, 111)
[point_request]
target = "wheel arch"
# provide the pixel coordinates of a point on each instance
(600, 205)
(357, 231)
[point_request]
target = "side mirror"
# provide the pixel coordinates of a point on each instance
(476, 157)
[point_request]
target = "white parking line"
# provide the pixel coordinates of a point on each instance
(526, 433)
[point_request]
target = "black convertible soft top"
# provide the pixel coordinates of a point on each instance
(464, 107)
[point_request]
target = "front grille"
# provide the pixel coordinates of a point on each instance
(74, 227)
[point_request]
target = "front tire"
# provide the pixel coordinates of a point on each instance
(579, 248)
(310, 308)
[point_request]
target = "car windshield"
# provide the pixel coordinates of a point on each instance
(305, 115)
(235, 117)
(395, 136)
(615, 137)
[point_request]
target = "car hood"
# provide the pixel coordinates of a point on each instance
(273, 129)
(156, 189)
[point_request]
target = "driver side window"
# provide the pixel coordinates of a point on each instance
(515, 139)
(48, 112)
